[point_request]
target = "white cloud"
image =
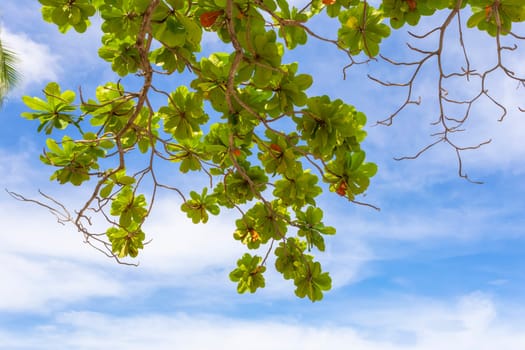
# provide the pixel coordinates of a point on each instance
(12, 167)
(33, 283)
(450, 219)
(47, 55)
(46, 264)
(37, 251)
(181, 246)
(37, 63)
(471, 322)
(346, 257)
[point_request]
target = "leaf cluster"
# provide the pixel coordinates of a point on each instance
(246, 121)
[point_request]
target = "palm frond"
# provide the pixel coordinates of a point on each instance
(9, 75)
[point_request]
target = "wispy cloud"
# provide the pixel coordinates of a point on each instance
(37, 63)
(40, 283)
(470, 322)
(41, 252)
(15, 167)
(46, 55)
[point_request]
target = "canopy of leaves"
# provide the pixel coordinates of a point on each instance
(246, 120)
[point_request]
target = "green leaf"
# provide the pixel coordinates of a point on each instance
(35, 103)
(198, 207)
(106, 190)
(313, 283)
(125, 243)
(248, 274)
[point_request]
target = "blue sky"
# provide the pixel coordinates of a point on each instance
(441, 266)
